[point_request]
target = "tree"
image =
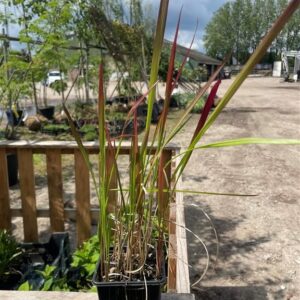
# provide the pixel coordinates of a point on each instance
(126, 38)
(240, 25)
(219, 35)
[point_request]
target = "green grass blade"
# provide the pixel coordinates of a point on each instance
(157, 48)
(250, 141)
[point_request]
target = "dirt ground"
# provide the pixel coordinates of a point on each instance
(259, 237)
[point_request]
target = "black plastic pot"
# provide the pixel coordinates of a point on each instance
(48, 112)
(14, 119)
(12, 167)
(128, 290)
(34, 257)
(56, 253)
(8, 281)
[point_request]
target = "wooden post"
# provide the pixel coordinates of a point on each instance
(5, 214)
(82, 182)
(55, 189)
(27, 185)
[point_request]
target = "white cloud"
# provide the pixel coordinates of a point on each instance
(193, 10)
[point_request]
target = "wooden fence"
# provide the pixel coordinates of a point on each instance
(83, 214)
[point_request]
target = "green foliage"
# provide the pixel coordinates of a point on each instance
(78, 277)
(90, 132)
(51, 282)
(9, 252)
(199, 106)
(25, 286)
(59, 86)
(87, 256)
(56, 127)
(14, 79)
(184, 99)
(88, 128)
(91, 136)
(239, 26)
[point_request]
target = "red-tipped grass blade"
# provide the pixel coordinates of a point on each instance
(207, 107)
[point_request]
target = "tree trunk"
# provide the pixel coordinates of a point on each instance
(30, 59)
(86, 74)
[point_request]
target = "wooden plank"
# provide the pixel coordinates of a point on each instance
(172, 255)
(182, 278)
(5, 215)
(55, 189)
(169, 296)
(27, 186)
(68, 147)
(82, 188)
(35, 295)
(45, 213)
(113, 183)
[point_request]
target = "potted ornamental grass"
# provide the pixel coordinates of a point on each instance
(132, 231)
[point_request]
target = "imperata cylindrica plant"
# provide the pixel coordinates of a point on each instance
(132, 223)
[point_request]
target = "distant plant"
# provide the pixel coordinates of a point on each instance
(59, 86)
(183, 100)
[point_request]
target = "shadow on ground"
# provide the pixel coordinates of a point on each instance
(234, 257)
(233, 293)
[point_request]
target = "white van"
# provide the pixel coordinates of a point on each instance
(53, 76)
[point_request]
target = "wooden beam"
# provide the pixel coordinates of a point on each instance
(34, 295)
(68, 147)
(172, 254)
(182, 269)
(27, 186)
(69, 213)
(55, 189)
(5, 215)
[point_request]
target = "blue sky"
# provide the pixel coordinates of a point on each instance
(192, 10)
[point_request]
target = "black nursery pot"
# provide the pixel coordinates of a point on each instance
(56, 253)
(128, 290)
(48, 112)
(13, 119)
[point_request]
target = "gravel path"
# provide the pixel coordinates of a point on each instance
(259, 238)
(259, 255)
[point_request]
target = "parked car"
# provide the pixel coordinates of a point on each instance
(53, 76)
(227, 72)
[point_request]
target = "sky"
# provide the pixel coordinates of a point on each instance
(192, 10)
